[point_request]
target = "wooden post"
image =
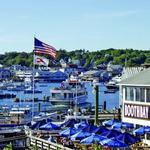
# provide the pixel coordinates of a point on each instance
(96, 103)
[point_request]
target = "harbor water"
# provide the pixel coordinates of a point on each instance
(112, 99)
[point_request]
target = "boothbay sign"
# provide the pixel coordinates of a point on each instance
(136, 111)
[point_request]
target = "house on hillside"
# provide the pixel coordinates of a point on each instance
(5, 74)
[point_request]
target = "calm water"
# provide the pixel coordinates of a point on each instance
(112, 99)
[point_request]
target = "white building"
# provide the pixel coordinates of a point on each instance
(135, 100)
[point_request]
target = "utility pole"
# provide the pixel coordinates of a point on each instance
(96, 88)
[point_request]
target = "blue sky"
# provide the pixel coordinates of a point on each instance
(74, 24)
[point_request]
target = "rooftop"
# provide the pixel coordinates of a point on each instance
(141, 78)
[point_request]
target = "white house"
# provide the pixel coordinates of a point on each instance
(135, 100)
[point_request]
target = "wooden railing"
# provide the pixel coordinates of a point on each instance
(45, 145)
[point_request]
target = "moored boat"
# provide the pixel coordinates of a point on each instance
(71, 92)
(112, 85)
(30, 90)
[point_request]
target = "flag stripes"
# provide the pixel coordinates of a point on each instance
(42, 48)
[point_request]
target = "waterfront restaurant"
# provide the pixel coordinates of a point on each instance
(135, 100)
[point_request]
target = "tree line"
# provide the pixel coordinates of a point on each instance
(128, 57)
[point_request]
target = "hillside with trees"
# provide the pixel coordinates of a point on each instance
(128, 57)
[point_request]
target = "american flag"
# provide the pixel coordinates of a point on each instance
(42, 48)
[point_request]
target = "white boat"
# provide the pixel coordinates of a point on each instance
(71, 92)
(30, 90)
(112, 85)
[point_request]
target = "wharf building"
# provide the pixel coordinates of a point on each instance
(135, 100)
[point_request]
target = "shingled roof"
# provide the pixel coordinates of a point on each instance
(141, 78)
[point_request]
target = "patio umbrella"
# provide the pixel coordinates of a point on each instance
(68, 132)
(112, 143)
(90, 129)
(110, 133)
(127, 125)
(69, 123)
(49, 126)
(120, 125)
(139, 131)
(80, 125)
(37, 124)
(127, 138)
(80, 135)
(142, 130)
(102, 129)
(109, 123)
(92, 139)
(117, 126)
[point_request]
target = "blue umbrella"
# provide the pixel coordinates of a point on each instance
(127, 138)
(117, 126)
(102, 129)
(142, 130)
(80, 135)
(69, 123)
(112, 143)
(80, 125)
(90, 129)
(120, 125)
(49, 126)
(109, 123)
(147, 129)
(139, 131)
(111, 133)
(92, 139)
(37, 124)
(68, 132)
(127, 125)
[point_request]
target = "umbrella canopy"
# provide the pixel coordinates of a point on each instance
(110, 133)
(127, 138)
(112, 143)
(80, 125)
(109, 123)
(102, 129)
(127, 125)
(90, 129)
(80, 135)
(69, 123)
(119, 125)
(92, 139)
(147, 129)
(49, 126)
(37, 124)
(68, 132)
(142, 130)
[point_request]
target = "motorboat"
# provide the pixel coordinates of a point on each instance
(112, 85)
(31, 90)
(71, 92)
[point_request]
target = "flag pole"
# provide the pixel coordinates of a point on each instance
(33, 94)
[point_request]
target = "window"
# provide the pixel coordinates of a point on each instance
(140, 94)
(148, 136)
(129, 93)
(137, 98)
(147, 95)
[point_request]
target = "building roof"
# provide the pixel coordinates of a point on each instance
(141, 78)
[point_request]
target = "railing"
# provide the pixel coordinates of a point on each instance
(45, 145)
(8, 139)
